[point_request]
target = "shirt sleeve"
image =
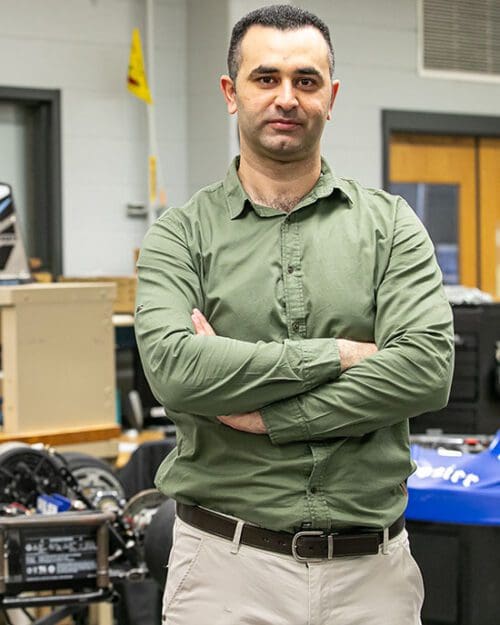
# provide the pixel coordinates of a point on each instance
(412, 371)
(211, 375)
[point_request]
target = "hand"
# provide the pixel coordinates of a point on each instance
(201, 325)
(251, 422)
(353, 352)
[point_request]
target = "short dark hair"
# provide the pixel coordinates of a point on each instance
(281, 16)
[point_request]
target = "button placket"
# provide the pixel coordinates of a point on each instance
(292, 280)
(320, 454)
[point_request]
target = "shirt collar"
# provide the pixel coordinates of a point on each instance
(237, 198)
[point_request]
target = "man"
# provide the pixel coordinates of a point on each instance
(291, 322)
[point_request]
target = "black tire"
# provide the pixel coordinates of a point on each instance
(21, 468)
(93, 474)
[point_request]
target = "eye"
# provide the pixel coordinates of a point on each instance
(306, 83)
(266, 80)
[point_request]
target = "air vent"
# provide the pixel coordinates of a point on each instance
(460, 38)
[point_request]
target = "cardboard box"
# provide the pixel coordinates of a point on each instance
(126, 287)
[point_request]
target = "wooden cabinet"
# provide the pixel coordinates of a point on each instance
(58, 362)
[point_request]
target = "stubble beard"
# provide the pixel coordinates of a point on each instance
(278, 148)
(282, 149)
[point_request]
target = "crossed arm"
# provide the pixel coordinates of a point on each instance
(351, 352)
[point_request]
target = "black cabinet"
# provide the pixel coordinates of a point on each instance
(474, 406)
(460, 565)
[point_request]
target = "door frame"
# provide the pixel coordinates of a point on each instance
(46, 107)
(419, 122)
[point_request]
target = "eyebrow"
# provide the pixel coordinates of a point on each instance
(263, 69)
(308, 71)
(267, 69)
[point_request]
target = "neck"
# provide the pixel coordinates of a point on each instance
(278, 184)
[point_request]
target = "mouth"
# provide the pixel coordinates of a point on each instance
(284, 124)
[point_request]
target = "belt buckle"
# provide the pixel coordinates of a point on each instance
(311, 533)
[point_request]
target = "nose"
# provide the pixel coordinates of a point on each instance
(286, 98)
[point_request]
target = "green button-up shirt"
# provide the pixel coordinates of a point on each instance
(279, 289)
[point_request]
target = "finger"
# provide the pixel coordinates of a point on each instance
(207, 328)
(197, 325)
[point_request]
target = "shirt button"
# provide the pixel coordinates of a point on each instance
(291, 269)
(295, 326)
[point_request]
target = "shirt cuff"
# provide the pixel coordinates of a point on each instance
(320, 361)
(284, 422)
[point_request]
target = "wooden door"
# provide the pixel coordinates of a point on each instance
(446, 165)
(489, 216)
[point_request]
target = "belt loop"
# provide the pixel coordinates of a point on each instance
(385, 549)
(237, 536)
(330, 546)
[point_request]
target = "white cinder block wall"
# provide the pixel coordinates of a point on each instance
(82, 48)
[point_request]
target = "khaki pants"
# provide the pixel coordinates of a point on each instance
(209, 585)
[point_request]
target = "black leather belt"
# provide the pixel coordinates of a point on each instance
(304, 546)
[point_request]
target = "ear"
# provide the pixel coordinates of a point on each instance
(229, 92)
(335, 88)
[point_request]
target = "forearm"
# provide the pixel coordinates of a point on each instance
(395, 384)
(245, 374)
(211, 376)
